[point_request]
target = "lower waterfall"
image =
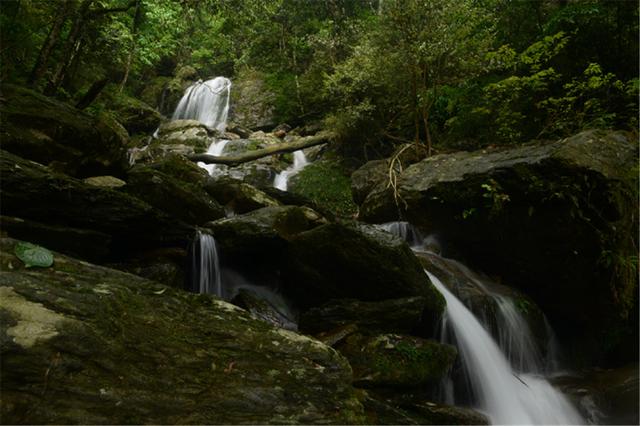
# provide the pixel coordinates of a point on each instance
(504, 395)
(282, 179)
(505, 376)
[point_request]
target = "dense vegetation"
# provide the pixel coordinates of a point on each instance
(443, 73)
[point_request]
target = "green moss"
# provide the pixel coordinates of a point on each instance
(325, 183)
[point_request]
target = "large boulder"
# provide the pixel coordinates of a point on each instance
(84, 344)
(366, 178)
(45, 130)
(262, 233)
(354, 261)
(34, 192)
(184, 200)
(558, 219)
(239, 197)
(135, 115)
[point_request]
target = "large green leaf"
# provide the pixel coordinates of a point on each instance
(33, 255)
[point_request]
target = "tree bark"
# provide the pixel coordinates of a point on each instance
(134, 31)
(40, 66)
(306, 142)
(92, 93)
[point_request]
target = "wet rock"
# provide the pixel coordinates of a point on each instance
(237, 196)
(413, 408)
(396, 360)
(261, 309)
(262, 233)
(558, 220)
(135, 115)
(354, 261)
(605, 396)
(63, 201)
(45, 130)
(367, 177)
(81, 243)
(183, 200)
(394, 315)
(131, 350)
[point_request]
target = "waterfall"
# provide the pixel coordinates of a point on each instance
(207, 102)
(503, 395)
(282, 179)
(205, 266)
(216, 148)
(505, 376)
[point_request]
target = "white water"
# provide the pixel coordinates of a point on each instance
(205, 265)
(216, 148)
(207, 102)
(505, 396)
(282, 179)
(506, 376)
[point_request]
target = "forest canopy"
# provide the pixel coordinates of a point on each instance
(447, 74)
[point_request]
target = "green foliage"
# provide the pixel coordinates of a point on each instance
(325, 183)
(33, 255)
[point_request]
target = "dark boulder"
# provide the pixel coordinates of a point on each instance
(393, 315)
(263, 233)
(45, 130)
(558, 220)
(86, 344)
(184, 200)
(354, 261)
(33, 192)
(237, 196)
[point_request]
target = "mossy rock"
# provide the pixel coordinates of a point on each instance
(131, 350)
(183, 200)
(397, 360)
(557, 219)
(351, 260)
(237, 196)
(63, 201)
(264, 232)
(46, 130)
(135, 115)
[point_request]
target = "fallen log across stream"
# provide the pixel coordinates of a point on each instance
(295, 145)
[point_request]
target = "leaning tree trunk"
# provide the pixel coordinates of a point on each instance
(306, 142)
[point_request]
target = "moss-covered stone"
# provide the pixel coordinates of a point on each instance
(110, 347)
(264, 232)
(45, 130)
(135, 115)
(239, 197)
(253, 102)
(355, 261)
(396, 360)
(183, 200)
(559, 220)
(63, 201)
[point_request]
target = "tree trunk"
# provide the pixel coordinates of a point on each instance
(134, 30)
(306, 142)
(40, 66)
(92, 93)
(70, 47)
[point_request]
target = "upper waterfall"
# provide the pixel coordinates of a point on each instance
(207, 102)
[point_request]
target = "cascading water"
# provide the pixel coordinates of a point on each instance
(207, 102)
(502, 394)
(505, 377)
(216, 148)
(205, 268)
(282, 179)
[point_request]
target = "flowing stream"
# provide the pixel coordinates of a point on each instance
(281, 180)
(506, 376)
